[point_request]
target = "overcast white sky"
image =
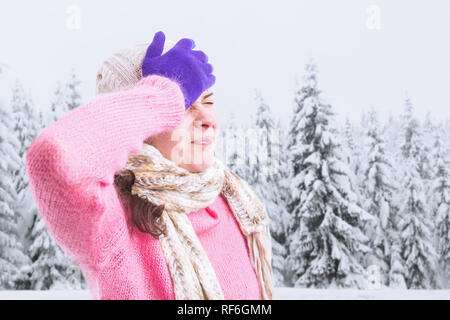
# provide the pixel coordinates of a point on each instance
(252, 45)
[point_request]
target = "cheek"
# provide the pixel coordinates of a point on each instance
(179, 147)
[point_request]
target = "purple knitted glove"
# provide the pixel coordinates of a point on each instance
(187, 67)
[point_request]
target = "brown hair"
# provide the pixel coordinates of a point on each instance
(145, 214)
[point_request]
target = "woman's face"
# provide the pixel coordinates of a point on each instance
(191, 145)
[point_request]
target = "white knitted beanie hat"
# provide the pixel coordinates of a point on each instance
(124, 68)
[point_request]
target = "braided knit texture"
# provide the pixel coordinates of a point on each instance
(71, 166)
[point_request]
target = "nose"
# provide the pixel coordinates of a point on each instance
(205, 119)
(205, 123)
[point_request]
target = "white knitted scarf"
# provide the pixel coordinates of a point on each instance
(161, 181)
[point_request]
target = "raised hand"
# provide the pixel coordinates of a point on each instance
(189, 68)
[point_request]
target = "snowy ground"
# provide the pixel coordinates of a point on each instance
(348, 294)
(280, 294)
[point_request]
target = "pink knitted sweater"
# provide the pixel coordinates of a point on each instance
(71, 166)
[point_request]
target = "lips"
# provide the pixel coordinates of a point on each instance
(204, 141)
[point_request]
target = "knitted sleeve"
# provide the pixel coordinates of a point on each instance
(72, 161)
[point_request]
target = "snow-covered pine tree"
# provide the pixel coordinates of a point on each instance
(284, 193)
(359, 131)
(392, 128)
(267, 181)
(412, 130)
(427, 132)
(416, 237)
(26, 127)
(363, 121)
(26, 119)
(41, 121)
(351, 147)
(429, 129)
(349, 140)
(441, 206)
(12, 257)
(378, 193)
(50, 265)
(397, 270)
(446, 127)
(235, 146)
(326, 243)
(409, 127)
(59, 106)
(73, 96)
(284, 166)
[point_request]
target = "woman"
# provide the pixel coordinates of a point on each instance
(129, 187)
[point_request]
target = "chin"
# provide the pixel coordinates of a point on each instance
(201, 166)
(198, 167)
(206, 160)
